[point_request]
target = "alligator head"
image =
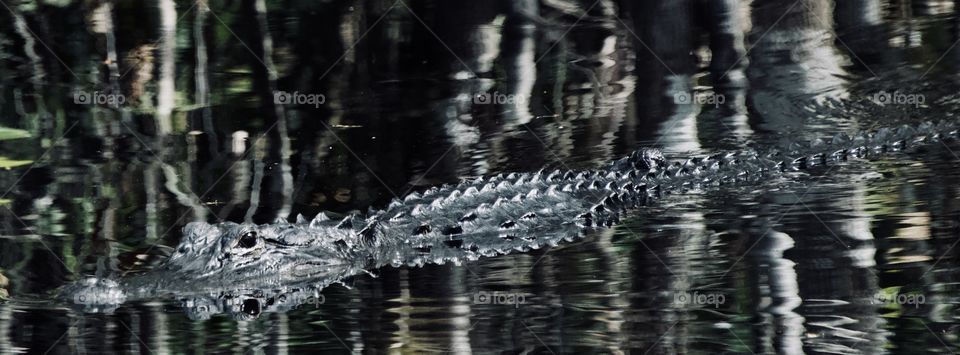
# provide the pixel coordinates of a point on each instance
(250, 251)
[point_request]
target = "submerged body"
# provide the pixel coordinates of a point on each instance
(244, 268)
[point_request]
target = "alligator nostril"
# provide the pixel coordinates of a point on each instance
(251, 306)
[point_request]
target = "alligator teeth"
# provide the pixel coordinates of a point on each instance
(281, 221)
(301, 219)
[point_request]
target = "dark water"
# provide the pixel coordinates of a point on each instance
(857, 259)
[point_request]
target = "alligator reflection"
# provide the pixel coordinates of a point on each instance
(249, 305)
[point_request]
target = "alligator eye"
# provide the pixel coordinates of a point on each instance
(248, 240)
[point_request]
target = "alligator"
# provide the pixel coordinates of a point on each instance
(246, 269)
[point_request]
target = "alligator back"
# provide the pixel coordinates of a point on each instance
(523, 211)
